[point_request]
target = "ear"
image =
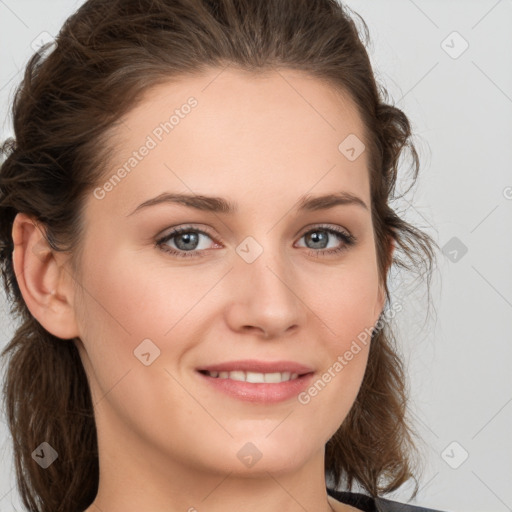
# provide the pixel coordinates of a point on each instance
(44, 280)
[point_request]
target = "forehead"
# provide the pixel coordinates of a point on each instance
(229, 131)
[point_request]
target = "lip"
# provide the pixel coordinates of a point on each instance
(264, 393)
(254, 365)
(267, 393)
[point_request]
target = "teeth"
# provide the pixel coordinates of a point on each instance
(255, 377)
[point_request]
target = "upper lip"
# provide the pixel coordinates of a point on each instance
(253, 365)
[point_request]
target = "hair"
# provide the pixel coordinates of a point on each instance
(108, 54)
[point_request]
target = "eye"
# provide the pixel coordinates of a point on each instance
(321, 236)
(186, 240)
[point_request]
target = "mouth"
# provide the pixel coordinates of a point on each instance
(264, 387)
(254, 377)
(254, 368)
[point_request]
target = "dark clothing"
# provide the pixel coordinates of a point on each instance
(368, 504)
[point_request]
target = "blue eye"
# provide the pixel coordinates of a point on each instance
(183, 238)
(186, 241)
(321, 235)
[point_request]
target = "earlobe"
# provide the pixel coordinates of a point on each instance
(43, 279)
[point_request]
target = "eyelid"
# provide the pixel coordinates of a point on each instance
(333, 227)
(186, 227)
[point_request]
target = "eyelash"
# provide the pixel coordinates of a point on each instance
(348, 239)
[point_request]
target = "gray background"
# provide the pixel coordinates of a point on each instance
(460, 105)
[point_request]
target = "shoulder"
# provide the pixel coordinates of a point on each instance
(368, 504)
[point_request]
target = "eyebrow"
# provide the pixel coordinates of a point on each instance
(221, 205)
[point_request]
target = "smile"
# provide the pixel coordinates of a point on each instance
(254, 377)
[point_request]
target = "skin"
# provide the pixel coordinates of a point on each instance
(167, 441)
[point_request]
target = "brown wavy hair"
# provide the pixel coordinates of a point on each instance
(108, 54)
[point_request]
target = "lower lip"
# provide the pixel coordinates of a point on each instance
(260, 392)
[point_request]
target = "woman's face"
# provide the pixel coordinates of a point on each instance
(270, 281)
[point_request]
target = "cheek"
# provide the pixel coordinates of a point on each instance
(131, 296)
(126, 300)
(332, 394)
(123, 305)
(347, 309)
(348, 300)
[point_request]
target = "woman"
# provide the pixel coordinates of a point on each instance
(195, 232)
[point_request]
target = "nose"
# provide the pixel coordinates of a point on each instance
(265, 297)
